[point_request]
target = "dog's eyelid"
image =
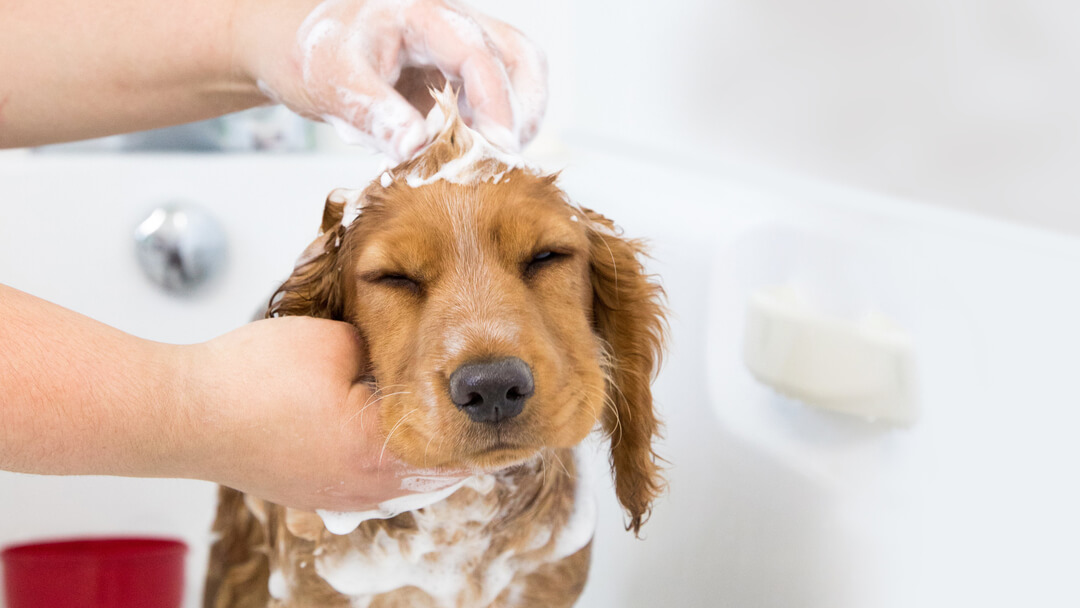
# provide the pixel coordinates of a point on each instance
(380, 273)
(393, 278)
(545, 257)
(550, 252)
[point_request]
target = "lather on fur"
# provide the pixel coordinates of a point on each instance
(490, 261)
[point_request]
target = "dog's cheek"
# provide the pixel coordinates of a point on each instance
(580, 361)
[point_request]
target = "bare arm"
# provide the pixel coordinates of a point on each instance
(77, 396)
(71, 69)
(272, 408)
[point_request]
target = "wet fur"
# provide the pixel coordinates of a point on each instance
(590, 327)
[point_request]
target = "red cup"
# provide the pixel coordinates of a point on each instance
(95, 573)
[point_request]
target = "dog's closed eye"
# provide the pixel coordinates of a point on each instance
(394, 280)
(543, 259)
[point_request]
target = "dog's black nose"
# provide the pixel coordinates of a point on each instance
(491, 391)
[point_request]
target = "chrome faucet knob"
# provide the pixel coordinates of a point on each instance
(180, 246)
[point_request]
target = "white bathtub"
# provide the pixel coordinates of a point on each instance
(771, 503)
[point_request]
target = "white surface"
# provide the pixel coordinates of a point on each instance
(770, 503)
(971, 105)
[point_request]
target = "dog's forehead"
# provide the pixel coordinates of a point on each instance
(523, 206)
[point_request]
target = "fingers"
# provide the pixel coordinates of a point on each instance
(331, 350)
(527, 67)
(487, 91)
(459, 47)
(350, 55)
(370, 112)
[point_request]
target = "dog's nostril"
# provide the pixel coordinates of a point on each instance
(490, 391)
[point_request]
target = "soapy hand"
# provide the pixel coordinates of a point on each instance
(340, 61)
(283, 418)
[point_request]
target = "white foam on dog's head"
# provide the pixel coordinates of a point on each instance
(476, 159)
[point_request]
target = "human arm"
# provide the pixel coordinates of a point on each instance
(271, 409)
(73, 70)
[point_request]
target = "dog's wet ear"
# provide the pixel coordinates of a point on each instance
(316, 288)
(331, 215)
(628, 314)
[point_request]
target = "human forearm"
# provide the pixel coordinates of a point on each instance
(72, 70)
(272, 408)
(79, 397)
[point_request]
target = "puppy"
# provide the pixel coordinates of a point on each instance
(503, 325)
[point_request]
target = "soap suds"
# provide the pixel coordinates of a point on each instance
(277, 585)
(314, 31)
(481, 161)
(352, 199)
(435, 122)
(449, 555)
(359, 38)
(466, 28)
(580, 528)
(344, 522)
(442, 570)
(347, 132)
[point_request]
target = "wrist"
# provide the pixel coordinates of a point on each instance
(192, 444)
(263, 36)
(223, 80)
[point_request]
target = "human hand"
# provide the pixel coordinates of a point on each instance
(279, 414)
(339, 62)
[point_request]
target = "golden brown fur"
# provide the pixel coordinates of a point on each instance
(438, 276)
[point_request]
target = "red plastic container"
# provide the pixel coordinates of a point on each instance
(95, 573)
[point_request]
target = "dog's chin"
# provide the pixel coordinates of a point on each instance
(500, 457)
(491, 456)
(495, 451)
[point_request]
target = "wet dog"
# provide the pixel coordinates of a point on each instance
(504, 324)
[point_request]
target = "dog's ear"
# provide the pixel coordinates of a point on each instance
(628, 314)
(238, 570)
(316, 288)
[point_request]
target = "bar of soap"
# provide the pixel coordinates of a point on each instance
(863, 367)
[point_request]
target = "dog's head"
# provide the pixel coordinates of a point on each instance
(499, 318)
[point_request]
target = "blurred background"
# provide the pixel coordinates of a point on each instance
(964, 103)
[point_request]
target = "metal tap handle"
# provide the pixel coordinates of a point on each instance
(180, 246)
